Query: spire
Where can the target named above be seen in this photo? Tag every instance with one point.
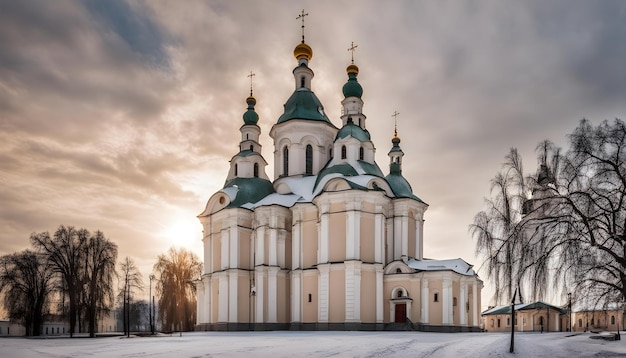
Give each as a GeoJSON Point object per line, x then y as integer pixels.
{"type": "Point", "coordinates": [303, 52]}
{"type": "Point", "coordinates": [250, 116]}
{"type": "Point", "coordinates": [352, 88]}
{"type": "Point", "coordinates": [396, 153]}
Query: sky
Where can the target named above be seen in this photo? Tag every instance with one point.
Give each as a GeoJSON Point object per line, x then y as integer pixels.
{"type": "Point", "coordinates": [122, 116]}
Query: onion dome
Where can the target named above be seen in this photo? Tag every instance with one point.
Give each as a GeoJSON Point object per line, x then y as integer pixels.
{"type": "Point", "coordinates": [250, 117]}
{"type": "Point", "coordinates": [396, 143]}
{"type": "Point", "coordinates": [303, 51]}
{"type": "Point", "coordinates": [352, 88]}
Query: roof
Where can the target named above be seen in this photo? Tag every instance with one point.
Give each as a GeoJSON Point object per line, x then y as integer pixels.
{"type": "Point", "coordinates": [351, 129]}
{"type": "Point", "coordinates": [457, 265]}
{"type": "Point", "coordinates": [304, 104]}
{"type": "Point", "coordinates": [522, 307]}
{"type": "Point", "coordinates": [400, 186]}
{"type": "Point", "coordinates": [247, 190]}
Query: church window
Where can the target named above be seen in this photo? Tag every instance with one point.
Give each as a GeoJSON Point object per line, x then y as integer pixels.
{"type": "Point", "coordinates": [256, 170]}
{"type": "Point", "coordinates": [361, 154]}
{"type": "Point", "coordinates": [508, 321]}
{"type": "Point", "coordinates": [612, 319]}
{"type": "Point", "coordinates": [359, 122]}
{"type": "Point", "coordinates": [343, 152]}
{"type": "Point", "coordinates": [400, 293]}
{"type": "Point", "coordinates": [247, 136]}
{"type": "Point", "coordinates": [251, 147]}
{"type": "Point", "coordinates": [453, 301]}
{"type": "Point", "coordinates": [436, 297]}
{"type": "Point", "coordinates": [398, 270]}
{"type": "Point", "coordinates": [498, 322]}
{"type": "Point", "coordinates": [310, 297]}
{"type": "Point", "coordinates": [285, 161]}
{"type": "Point", "coordinates": [302, 81]}
{"type": "Point", "coordinates": [235, 169]}
{"type": "Point", "coordinates": [309, 160]}
{"type": "Point", "coordinates": [330, 151]}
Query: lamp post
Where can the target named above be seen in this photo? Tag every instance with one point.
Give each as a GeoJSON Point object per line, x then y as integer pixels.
{"type": "Point", "coordinates": [569, 303]}
{"type": "Point", "coordinates": [150, 303]}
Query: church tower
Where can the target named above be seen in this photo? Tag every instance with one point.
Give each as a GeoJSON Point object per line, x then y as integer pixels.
{"type": "Point", "coordinates": [303, 134]}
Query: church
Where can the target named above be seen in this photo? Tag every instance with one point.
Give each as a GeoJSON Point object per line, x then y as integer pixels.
{"type": "Point", "coordinates": [331, 242]}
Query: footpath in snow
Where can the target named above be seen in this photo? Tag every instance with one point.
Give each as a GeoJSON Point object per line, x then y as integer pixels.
{"type": "Point", "coordinates": [319, 344]}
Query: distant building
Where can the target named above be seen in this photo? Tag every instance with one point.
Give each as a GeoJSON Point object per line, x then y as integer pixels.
{"type": "Point", "coordinates": [598, 320]}
{"type": "Point", "coordinates": [331, 242]}
{"type": "Point", "coordinates": [529, 317]}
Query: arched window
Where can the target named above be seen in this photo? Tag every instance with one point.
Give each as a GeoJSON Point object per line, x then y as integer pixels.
{"type": "Point", "coordinates": [612, 319]}
{"type": "Point", "coordinates": [436, 297]}
{"type": "Point", "coordinates": [235, 169]}
{"type": "Point", "coordinates": [285, 161]}
{"type": "Point", "coordinates": [251, 147]}
{"type": "Point", "coordinates": [398, 270]}
{"type": "Point", "coordinates": [343, 152]}
{"type": "Point", "coordinates": [302, 81]}
{"type": "Point", "coordinates": [498, 322]}
{"type": "Point", "coordinates": [256, 170]}
{"type": "Point", "coordinates": [309, 160]}
{"type": "Point", "coordinates": [400, 293]}
{"type": "Point", "coordinates": [361, 153]}
{"type": "Point", "coordinates": [508, 321]}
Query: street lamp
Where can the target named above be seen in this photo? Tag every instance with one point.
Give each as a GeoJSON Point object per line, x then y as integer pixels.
{"type": "Point", "coordinates": [150, 303]}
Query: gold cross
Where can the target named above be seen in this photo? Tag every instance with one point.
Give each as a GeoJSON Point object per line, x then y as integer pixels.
{"type": "Point", "coordinates": [252, 74]}
{"type": "Point", "coordinates": [352, 48]}
{"type": "Point", "coordinates": [395, 120]}
{"type": "Point", "coordinates": [301, 16]}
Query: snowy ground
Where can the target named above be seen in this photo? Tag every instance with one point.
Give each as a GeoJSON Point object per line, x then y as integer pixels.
{"type": "Point", "coordinates": [319, 344]}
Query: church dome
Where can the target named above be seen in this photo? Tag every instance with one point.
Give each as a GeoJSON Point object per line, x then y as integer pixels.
{"type": "Point", "coordinates": [352, 88]}
{"type": "Point", "coordinates": [303, 51]}
{"type": "Point", "coordinates": [250, 117]}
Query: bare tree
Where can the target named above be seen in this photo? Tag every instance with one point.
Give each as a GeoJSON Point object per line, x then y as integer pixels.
{"type": "Point", "coordinates": [26, 280]}
{"type": "Point", "coordinates": [100, 259]}
{"type": "Point", "coordinates": [572, 231]}
{"type": "Point", "coordinates": [131, 280]}
{"type": "Point", "coordinates": [175, 271]}
{"type": "Point", "coordinates": [66, 252]}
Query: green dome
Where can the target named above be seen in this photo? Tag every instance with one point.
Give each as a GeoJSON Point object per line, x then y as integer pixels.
{"type": "Point", "coordinates": [351, 129]}
{"type": "Point", "coordinates": [250, 117]}
{"type": "Point", "coordinates": [303, 104]}
{"type": "Point", "coordinates": [352, 88]}
{"type": "Point", "coordinates": [400, 186]}
{"type": "Point", "coordinates": [249, 190]}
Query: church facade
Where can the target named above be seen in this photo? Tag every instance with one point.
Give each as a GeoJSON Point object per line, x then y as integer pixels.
{"type": "Point", "coordinates": [331, 243]}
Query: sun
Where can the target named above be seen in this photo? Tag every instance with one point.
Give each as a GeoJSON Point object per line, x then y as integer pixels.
{"type": "Point", "coordinates": [184, 232]}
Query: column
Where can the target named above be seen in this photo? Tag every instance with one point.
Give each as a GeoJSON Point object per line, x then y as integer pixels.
{"type": "Point", "coordinates": [446, 311]}
{"type": "Point", "coordinates": [225, 252]}
{"type": "Point", "coordinates": [208, 300]}
{"type": "Point", "coordinates": [322, 289]}
{"type": "Point", "coordinates": [199, 303]}
{"type": "Point", "coordinates": [324, 236]}
{"type": "Point", "coordinates": [463, 303]}
{"type": "Point", "coordinates": [222, 307]}
{"type": "Point", "coordinates": [232, 296]}
{"type": "Point", "coordinates": [296, 239]}
{"type": "Point", "coordinates": [273, 247]}
{"type": "Point", "coordinates": [425, 300]}
{"type": "Point", "coordinates": [296, 296]}
{"type": "Point", "coordinates": [419, 238]}
{"type": "Point", "coordinates": [475, 304]}
{"type": "Point", "coordinates": [271, 294]}
{"type": "Point", "coordinates": [379, 235]}
{"type": "Point", "coordinates": [260, 246]}
{"type": "Point", "coordinates": [405, 236]}
{"type": "Point", "coordinates": [234, 248]}
{"type": "Point", "coordinates": [260, 292]}
{"type": "Point", "coordinates": [353, 291]}
{"type": "Point", "coordinates": [379, 294]}
{"type": "Point", "coordinates": [397, 238]}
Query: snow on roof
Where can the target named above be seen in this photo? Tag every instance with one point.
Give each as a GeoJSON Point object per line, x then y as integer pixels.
{"type": "Point", "coordinates": [457, 265]}
{"type": "Point", "coordinates": [521, 307]}
{"type": "Point", "coordinates": [286, 200]}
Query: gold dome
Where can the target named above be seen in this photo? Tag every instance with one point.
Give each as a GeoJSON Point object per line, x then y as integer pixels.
{"type": "Point", "coordinates": [303, 50]}
{"type": "Point", "coordinates": [353, 69]}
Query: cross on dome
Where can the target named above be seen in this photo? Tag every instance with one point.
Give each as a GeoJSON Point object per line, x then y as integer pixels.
{"type": "Point", "coordinates": [352, 48]}
{"type": "Point", "coordinates": [301, 16]}
{"type": "Point", "coordinates": [252, 74]}
{"type": "Point", "coordinates": [395, 123]}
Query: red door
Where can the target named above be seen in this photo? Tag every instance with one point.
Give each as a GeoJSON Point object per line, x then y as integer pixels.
{"type": "Point", "coordinates": [400, 313]}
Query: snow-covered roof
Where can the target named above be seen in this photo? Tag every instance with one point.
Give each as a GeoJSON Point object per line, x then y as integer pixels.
{"type": "Point", "coordinates": [522, 307]}
{"type": "Point", "coordinates": [457, 265]}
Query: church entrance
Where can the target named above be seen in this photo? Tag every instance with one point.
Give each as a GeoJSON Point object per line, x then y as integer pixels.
{"type": "Point", "coordinates": [400, 313]}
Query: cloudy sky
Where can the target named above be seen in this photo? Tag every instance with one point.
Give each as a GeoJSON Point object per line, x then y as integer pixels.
{"type": "Point", "coordinates": [122, 116]}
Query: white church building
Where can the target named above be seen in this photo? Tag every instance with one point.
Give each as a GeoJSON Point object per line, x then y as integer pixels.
{"type": "Point", "coordinates": [331, 242]}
